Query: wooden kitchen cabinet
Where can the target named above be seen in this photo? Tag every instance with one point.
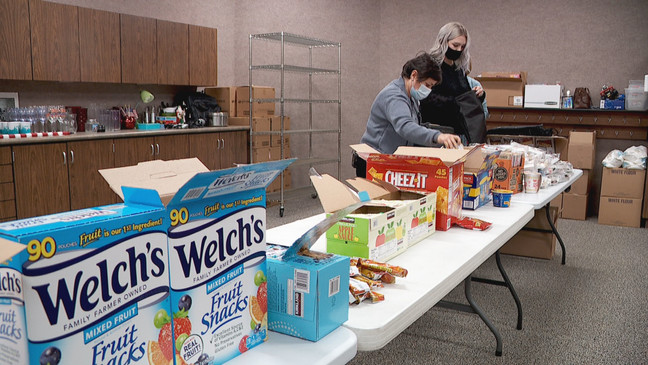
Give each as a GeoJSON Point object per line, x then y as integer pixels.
{"type": "Point", "coordinates": [54, 41]}
{"type": "Point", "coordinates": [138, 49]}
{"type": "Point", "coordinates": [171, 147]}
{"type": "Point", "coordinates": [15, 43]}
{"type": "Point", "coordinates": [87, 187]}
{"type": "Point", "coordinates": [131, 151]}
{"type": "Point", "coordinates": [203, 56]}
{"type": "Point", "coordinates": [220, 150]}
{"type": "Point", "coordinates": [7, 197]}
{"type": "Point", "coordinates": [99, 41]}
{"type": "Point", "coordinates": [41, 179]}
{"type": "Point", "coordinates": [172, 53]}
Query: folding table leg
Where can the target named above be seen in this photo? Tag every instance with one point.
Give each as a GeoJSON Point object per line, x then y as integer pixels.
{"type": "Point", "coordinates": [555, 231]}
{"type": "Point", "coordinates": [475, 307]}
{"type": "Point", "coordinates": [510, 288]}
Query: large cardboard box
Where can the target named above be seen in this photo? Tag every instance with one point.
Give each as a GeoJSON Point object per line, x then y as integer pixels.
{"type": "Point", "coordinates": [225, 97]}
{"type": "Point", "coordinates": [617, 211]}
{"type": "Point", "coordinates": [477, 179]}
{"type": "Point", "coordinates": [307, 298]}
{"type": "Point", "coordinates": [532, 243]}
{"type": "Point", "coordinates": [423, 169]}
{"type": "Point", "coordinates": [645, 204]}
{"type": "Point", "coordinates": [259, 124]}
{"type": "Point", "coordinates": [374, 231]}
{"type": "Point", "coordinates": [622, 183]}
{"type": "Point", "coordinates": [574, 206]}
{"type": "Point", "coordinates": [420, 215]}
{"type": "Point", "coordinates": [504, 89]}
{"type": "Point", "coordinates": [217, 250]}
{"type": "Point", "coordinates": [542, 96]}
{"type": "Point", "coordinates": [582, 185]}
{"type": "Point", "coordinates": [582, 149]}
{"type": "Point", "coordinates": [275, 126]}
{"type": "Point", "coordinates": [89, 285]}
{"type": "Point", "coordinates": [259, 108]}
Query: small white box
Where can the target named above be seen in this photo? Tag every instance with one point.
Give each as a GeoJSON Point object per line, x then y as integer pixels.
{"type": "Point", "coordinates": [542, 96]}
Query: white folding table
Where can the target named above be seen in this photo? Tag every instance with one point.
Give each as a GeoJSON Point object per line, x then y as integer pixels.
{"type": "Point", "coordinates": [542, 199]}
{"type": "Point", "coordinates": [338, 347]}
{"type": "Point", "coordinates": [436, 265]}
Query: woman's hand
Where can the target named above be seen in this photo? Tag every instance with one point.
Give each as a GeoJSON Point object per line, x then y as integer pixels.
{"type": "Point", "coordinates": [479, 91]}
{"type": "Point", "coordinates": [449, 140]}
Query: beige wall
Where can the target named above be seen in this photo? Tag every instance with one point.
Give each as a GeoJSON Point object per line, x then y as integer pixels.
{"type": "Point", "coordinates": [580, 43]}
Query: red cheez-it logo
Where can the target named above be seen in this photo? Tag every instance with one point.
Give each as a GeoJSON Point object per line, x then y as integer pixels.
{"type": "Point", "coordinates": [414, 180]}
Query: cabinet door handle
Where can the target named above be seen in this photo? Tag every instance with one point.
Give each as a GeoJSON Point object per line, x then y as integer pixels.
{"type": "Point", "coordinates": [218, 144]}
{"type": "Point", "coordinates": [152, 150]}
{"type": "Point", "coordinates": [64, 159]}
{"type": "Point", "coordinates": [71, 157]}
{"type": "Point", "coordinates": [157, 146]}
{"type": "Point", "coordinates": [223, 145]}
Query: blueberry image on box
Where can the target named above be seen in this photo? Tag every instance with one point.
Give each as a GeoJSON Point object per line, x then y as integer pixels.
{"type": "Point", "coordinates": [51, 356]}
{"type": "Point", "coordinates": [184, 303]}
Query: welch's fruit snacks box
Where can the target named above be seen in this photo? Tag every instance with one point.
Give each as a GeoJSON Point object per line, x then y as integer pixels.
{"type": "Point", "coordinates": [13, 329]}
{"type": "Point", "coordinates": [217, 254]}
{"type": "Point", "coordinates": [92, 281]}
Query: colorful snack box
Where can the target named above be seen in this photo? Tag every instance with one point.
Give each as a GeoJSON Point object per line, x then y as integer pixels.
{"type": "Point", "coordinates": [13, 341]}
{"type": "Point", "coordinates": [308, 297]}
{"type": "Point", "coordinates": [508, 172]}
{"type": "Point", "coordinates": [92, 281]}
{"type": "Point", "coordinates": [216, 242]}
{"type": "Point", "coordinates": [477, 179]}
{"type": "Point", "coordinates": [424, 169]}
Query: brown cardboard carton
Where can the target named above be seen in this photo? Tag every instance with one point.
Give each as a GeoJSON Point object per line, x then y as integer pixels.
{"type": "Point", "coordinates": [276, 184]}
{"type": "Point", "coordinates": [557, 203]}
{"type": "Point", "coordinates": [582, 149]}
{"type": "Point", "coordinates": [582, 185]}
{"type": "Point", "coordinates": [261, 154]}
{"type": "Point", "coordinates": [259, 124]}
{"type": "Point", "coordinates": [260, 141]}
{"type": "Point", "coordinates": [275, 153]}
{"type": "Point", "coordinates": [622, 183]}
{"type": "Point", "coordinates": [574, 206]}
{"type": "Point", "coordinates": [533, 243]}
{"type": "Point", "coordinates": [504, 89]}
{"type": "Point", "coordinates": [616, 211]}
{"type": "Point", "coordinates": [225, 97]}
{"type": "Point", "coordinates": [645, 205]}
{"type": "Point", "coordinates": [259, 109]}
{"type": "Point", "coordinates": [275, 122]}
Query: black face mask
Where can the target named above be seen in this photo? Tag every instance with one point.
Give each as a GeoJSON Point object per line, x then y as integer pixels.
{"type": "Point", "coordinates": [452, 54]}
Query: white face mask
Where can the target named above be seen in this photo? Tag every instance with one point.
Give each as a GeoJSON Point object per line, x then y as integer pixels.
{"type": "Point", "coordinates": [420, 94]}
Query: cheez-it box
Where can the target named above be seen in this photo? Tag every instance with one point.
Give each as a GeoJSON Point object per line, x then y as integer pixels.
{"type": "Point", "coordinates": [423, 169]}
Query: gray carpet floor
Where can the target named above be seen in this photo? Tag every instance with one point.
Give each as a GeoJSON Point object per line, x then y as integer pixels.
{"type": "Point", "coordinates": [593, 310]}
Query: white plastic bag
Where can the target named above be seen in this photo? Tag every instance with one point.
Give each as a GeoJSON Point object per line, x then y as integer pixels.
{"type": "Point", "coordinates": [613, 159]}
{"type": "Point", "coordinates": [635, 157]}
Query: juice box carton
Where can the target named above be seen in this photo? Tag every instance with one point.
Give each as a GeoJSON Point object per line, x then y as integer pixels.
{"type": "Point", "coordinates": [307, 297]}
{"type": "Point", "coordinates": [217, 252]}
{"type": "Point", "coordinates": [13, 337]}
{"type": "Point", "coordinates": [477, 178]}
{"type": "Point", "coordinates": [375, 231]}
{"type": "Point", "coordinates": [420, 208]}
{"type": "Point", "coordinates": [93, 282]}
{"type": "Point", "coordinates": [423, 169]}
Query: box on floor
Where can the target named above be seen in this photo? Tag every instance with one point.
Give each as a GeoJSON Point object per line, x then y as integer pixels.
{"type": "Point", "coordinates": [621, 197]}
{"type": "Point", "coordinates": [574, 206]}
{"type": "Point", "coordinates": [532, 243]}
{"type": "Point", "coordinates": [216, 250]}
{"type": "Point", "coordinates": [582, 149]}
{"type": "Point", "coordinates": [504, 89]}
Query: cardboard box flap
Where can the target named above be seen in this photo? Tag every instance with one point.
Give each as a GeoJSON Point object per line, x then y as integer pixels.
{"type": "Point", "coordinates": [233, 180]}
{"type": "Point", "coordinates": [449, 156]}
{"type": "Point", "coordinates": [333, 194]}
{"type": "Point", "coordinates": [584, 138]}
{"type": "Point", "coordinates": [165, 177]}
{"type": "Point", "coordinates": [375, 188]}
{"type": "Point", "coordinates": [9, 249]}
{"type": "Point", "coordinates": [141, 196]}
{"type": "Point", "coordinates": [363, 148]}
{"type": "Point", "coordinates": [480, 161]}
{"type": "Point", "coordinates": [506, 76]}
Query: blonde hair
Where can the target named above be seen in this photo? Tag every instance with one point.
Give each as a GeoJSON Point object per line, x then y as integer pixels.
{"type": "Point", "coordinates": [447, 32]}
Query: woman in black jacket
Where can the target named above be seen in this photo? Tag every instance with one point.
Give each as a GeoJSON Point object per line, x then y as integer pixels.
{"type": "Point", "coordinates": [451, 49]}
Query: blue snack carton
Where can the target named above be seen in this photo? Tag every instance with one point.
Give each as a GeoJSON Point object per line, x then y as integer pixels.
{"type": "Point", "coordinates": [477, 178]}
{"type": "Point", "coordinates": [217, 253]}
{"type": "Point", "coordinates": [92, 281]}
{"type": "Point", "coordinates": [307, 297]}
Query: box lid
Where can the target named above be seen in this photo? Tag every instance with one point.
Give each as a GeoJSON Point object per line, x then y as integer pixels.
{"type": "Point", "coordinates": [333, 194]}
{"type": "Point", "coordinates": [176, 181]}
{"type": "Point", "coordinates": [448, 156]}
{"type": "Point", "coordinates": [9, 249]}
{"type": "Point", "coordinates": [376, 189]}
{"type": "Point", "coordinates": [480, 161]}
